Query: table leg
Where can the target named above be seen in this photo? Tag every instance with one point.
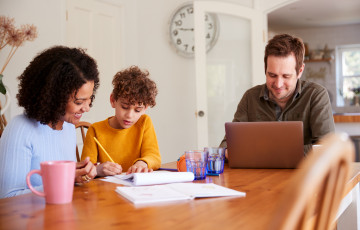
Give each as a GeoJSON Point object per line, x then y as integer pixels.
{"type": "Point", "coordinates": [349, 212]}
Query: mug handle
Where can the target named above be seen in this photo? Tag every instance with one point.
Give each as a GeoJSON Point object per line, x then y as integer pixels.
{"type": "Point", "coordinates": [29, 183]}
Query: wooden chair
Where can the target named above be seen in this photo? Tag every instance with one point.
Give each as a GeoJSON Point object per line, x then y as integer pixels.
{"type": "Point", "coordinates": [82, 125]}
{"type": "Point", "coordinates": [313, 196]}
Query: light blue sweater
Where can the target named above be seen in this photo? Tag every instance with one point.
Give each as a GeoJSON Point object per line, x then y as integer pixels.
{"type": "Point", "coordinates": [24, 144]}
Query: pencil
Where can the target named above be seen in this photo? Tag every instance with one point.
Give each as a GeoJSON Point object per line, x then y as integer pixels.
{"type": "Point", "coordinates": [96, 140]}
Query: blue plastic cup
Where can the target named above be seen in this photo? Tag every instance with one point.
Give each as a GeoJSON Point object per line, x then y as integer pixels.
{"type": "Point", "coordinates": [216, 159]}
{"type": "Point", "coordinates": [196, 163]}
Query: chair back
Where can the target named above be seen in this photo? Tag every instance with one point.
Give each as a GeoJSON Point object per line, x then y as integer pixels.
{"type": "Point", "coordinates": [82, 125]}
{"type": "Point", "coordinates": [312, 198]}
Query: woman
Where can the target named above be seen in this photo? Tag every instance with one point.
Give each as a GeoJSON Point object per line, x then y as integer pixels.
{"type": "Point", "coordinates": [55, 90]}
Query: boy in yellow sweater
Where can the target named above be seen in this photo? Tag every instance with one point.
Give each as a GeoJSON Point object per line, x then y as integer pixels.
{"type": "Point", "coordinates": [129, 136]}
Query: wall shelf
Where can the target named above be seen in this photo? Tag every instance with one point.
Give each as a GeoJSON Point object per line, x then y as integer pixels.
{"type": "Point", "coordinates": [318, 60]}
{"type": "Point", "coordinates": [351, 117]}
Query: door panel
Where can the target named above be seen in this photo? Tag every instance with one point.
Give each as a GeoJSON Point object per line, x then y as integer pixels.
{"type": "Point", "coordinates": [228, 70]}
{"type": "Point", "coordinates": [228, 74]}
{"type": "Point", "coordinates": [97, 27]}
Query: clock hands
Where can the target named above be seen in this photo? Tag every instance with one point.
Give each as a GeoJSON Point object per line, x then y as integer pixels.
{"type": "Point", "coordinates": [186, 29]}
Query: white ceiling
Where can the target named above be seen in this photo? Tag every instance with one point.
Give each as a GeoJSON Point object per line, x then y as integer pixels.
{"type": "Point", "coordinates": [315, 13]}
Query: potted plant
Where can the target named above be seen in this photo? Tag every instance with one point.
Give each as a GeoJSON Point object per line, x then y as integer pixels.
{"type": "Point", "coordinates": [356, 98]}
{"type": "Point", "coordinates": [14, 38]}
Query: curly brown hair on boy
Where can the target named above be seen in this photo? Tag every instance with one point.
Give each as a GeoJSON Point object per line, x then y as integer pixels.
{"type": "Point", "coordinates": [50, 80]}
{"type": "Point", "coordinates": [134, 85]}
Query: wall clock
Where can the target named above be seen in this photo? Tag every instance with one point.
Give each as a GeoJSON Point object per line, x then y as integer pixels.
{"type": "Point", "coordinates": [181, 30]}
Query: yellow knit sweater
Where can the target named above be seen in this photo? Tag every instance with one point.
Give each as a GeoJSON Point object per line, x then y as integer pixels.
{"type": "Point", "coordinates": [125, 146]}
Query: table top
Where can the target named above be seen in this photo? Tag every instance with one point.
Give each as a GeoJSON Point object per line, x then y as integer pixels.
{"type": "Point", "coordinates": [96, 205]}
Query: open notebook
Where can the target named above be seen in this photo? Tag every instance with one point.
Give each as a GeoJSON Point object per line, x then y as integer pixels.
{"type": "Point", "coordinates": [174, 192]}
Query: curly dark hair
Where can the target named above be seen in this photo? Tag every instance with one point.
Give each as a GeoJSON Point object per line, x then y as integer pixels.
{"type": "Point", "coordinates": [283, 45]}
{"type": "Point", "coordinates": [51, 78]}
{"type": "Point", "coordinates": [135, 86]}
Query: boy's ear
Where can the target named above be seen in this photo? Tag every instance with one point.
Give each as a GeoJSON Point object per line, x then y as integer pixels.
{"type": "Point", "coordinates": [112, 100]}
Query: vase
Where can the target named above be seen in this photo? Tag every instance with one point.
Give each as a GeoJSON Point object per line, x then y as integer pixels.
{"type": "Point", "coordinates": [357, 100]}
{"type": "Point", "coordinates": [3, 109]}
{"type": "Point", "coordinates": [5, 106]}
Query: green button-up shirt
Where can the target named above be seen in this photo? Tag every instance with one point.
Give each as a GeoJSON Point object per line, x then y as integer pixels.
{"type": "Point", "coordinates": [310, 104]}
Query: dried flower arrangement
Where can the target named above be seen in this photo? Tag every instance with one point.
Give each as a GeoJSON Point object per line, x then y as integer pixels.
{"type": "Point", "coordinates": [14, 37]}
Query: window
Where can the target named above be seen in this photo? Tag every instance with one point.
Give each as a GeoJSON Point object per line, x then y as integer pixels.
{"type": "Point", "coordinates": [348, 76]}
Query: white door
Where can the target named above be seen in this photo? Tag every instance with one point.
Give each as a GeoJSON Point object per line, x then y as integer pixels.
{"type": "Point", "coordinates": [97, 26]}
{"type": "Point", "coordinates": [231, 67]}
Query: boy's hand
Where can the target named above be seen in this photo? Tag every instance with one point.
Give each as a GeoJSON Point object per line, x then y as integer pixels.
{"type": "Point", "coordinates": [108, 169]}
{"type": "Point", "coordinates": [85, 171]}
{"type": "Point", "coordinates": [138, 167]}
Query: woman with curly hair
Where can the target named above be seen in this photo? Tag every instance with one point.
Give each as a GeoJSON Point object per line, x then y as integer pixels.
{"type": "Point", "coordinates": [129, 136]}
{"type": "Point", "coordinates": [55, 90]}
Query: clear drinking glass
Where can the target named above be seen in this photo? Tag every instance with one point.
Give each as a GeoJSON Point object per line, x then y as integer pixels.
{"type": "Point", "coordinates": [196, 163]}
{"type": "Point", "coordinates": [216, 159]}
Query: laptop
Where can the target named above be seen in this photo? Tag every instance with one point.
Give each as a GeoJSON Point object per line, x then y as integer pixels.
{"type": "Point", "coordinates": [269, 144]}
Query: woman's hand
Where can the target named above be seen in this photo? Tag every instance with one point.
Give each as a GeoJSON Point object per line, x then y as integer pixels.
{"type": "Point", "coordinates": [108, 169]}
{"type": "Point", "coordinates": [85, 171]}
{"type": "Point", "coordinates": [138, 167]}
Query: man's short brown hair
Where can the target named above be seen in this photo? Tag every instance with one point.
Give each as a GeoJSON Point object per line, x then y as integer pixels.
{"type": "Point", "coordinates": [283, 45]}
{"type": "Point", "coordinates": [134, 85]}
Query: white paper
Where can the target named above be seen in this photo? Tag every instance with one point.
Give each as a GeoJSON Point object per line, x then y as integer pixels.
{"type": "Point", "coordinates": [151, 194]}
{"type": "Point", "coordinates": [139, 179]}
{"type": "Point", "coordinates": [198, 190]}
{"type": "Point", "coordinates": [174, 192]}
{"type": "Point", "coordinates": [115, 180]}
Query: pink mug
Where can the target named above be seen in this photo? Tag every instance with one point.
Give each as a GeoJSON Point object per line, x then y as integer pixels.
{"type": "Point", "coordinates": [58, 181]}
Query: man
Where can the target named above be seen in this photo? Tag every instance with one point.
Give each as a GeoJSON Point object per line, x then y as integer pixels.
{"type": "Point", "coordinates": [285, 97]}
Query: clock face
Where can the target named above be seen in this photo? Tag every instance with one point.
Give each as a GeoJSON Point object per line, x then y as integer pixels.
{"type": "Point", "coordinates": [182, 30]}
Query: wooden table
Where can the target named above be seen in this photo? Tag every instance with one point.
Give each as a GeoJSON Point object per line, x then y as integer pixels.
{"type": "Point", "coordinates": [96, 205]}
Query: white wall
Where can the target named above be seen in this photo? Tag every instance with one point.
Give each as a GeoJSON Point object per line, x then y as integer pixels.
{"type": "Point", "coordinates": [147, 45]}
{"type": "Point", "coordinates": [330, 35]}
{"type": "Point", "coordinates": [173, 116]}
{"type": "Point", "coordinates": [49, 18]}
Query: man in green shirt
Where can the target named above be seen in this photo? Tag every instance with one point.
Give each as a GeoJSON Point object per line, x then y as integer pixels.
{"type": "Point", "coordinates": [284, 97]}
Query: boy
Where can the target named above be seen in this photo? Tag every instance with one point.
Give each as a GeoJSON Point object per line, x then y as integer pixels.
{"type": "Point", "coordinates": [128, 137]}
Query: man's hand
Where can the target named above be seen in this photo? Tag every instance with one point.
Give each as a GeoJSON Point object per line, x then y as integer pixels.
{"type": "Point", "coordinates": [138, 167]}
